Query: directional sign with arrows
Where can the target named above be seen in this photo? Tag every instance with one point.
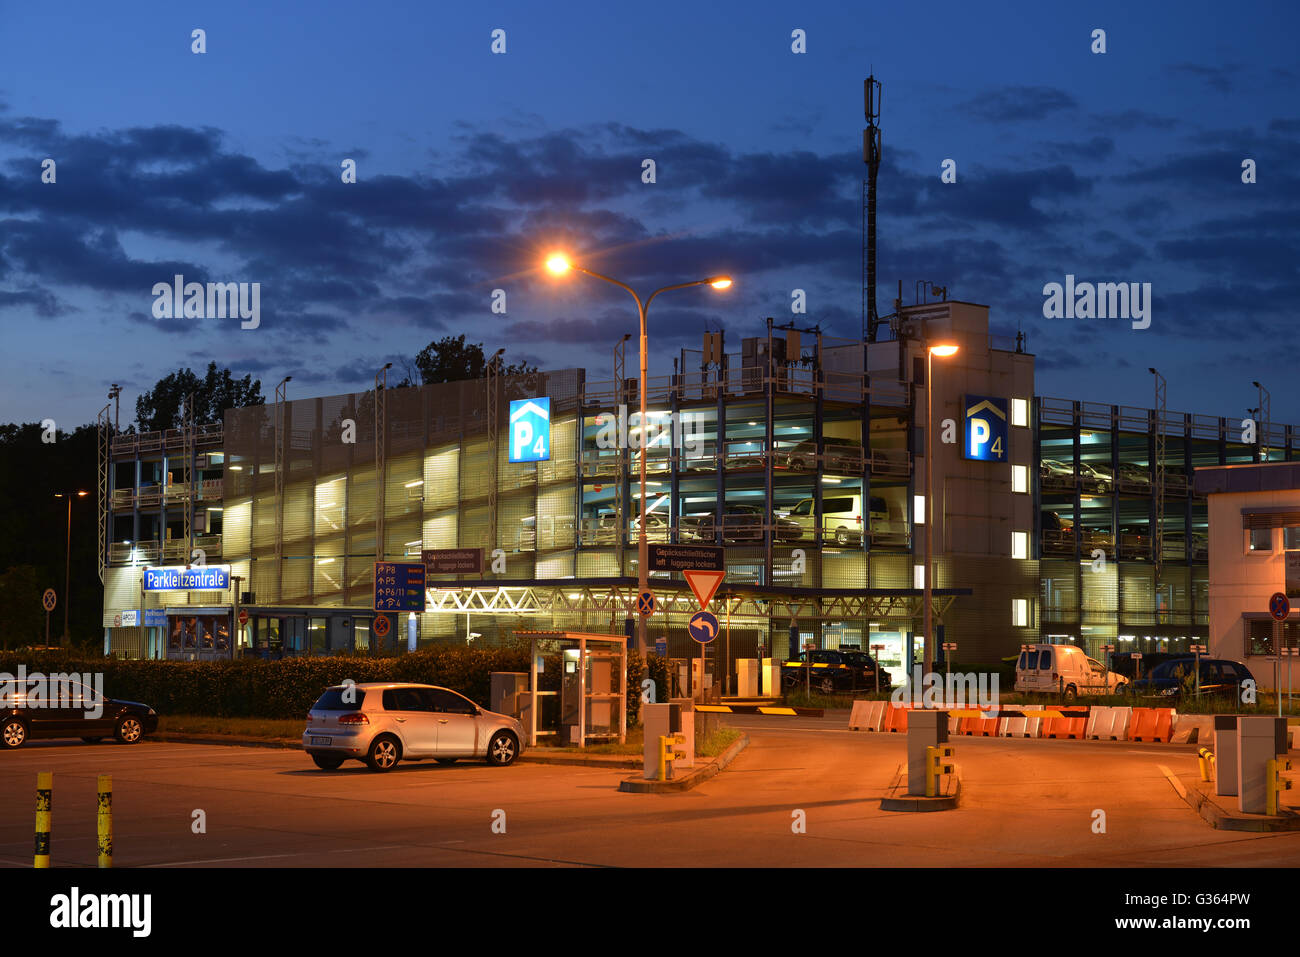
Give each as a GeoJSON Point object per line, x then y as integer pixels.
{"type": "Point", "coordinates": [703, 626]}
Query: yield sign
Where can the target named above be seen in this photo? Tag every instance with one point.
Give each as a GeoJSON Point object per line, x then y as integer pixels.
{"type": "Point", "coordinates": [704, 584]}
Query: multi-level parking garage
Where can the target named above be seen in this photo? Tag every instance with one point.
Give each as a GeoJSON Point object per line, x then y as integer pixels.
{"type": "Point", "coordinates": [802, 455]}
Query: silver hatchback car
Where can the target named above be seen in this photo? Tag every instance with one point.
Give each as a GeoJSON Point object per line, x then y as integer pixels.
{"type": "Point", "coordinates": [382, 723]}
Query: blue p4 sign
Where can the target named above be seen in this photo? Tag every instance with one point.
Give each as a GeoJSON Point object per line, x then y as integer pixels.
{"type": "Point", "coordinates": [530, 430]}
{"type": "Point", "coordinates": [984, 436]}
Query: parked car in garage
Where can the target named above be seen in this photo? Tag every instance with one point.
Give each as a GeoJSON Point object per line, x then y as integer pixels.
{"type": "Point", "coordinates": [842, 518]}
{"type": "Point", "coordinates": [842, 456]}
{"type": "Point", "coordinates": [382, 723]}
{"type": "Point", "coordinates": [746, 523]}
{"type": "Point", "coordinates": [28, 712]}
{"type": "Point", "coordinates": [1220, 677]}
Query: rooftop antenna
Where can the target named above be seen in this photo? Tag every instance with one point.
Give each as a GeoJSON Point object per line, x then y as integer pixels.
{"type": "Point", "coordinates": [870, 156]}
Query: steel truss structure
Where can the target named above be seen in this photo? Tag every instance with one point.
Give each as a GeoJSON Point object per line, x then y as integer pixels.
{"type": "Point", "coordinates": [676, 598]}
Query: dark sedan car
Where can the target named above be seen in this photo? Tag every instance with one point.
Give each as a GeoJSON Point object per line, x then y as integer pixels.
{"type": "Point", "coordinates": [1219, 677]}
{"type": "Point", "coordinates": [69, 710]}
{"type": "Point", "coordinates": [834, 671]}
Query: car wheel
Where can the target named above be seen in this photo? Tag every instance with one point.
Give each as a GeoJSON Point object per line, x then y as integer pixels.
{"type": "Point", "coordinates": [841, 536]}
{"type": "Point", "coordinates": [129, 730]}
{"type": "Point", "coordinates": [92, 740]}
{"type": "Point", "coordinates": [1070, 694]}
{"type": "Point", "coordinates": [327, 762]}
{"type": "Point", "coordinates": [502, 749]}
{"type": "Point", "coordinates": [13, 733]}
{"type": "Point", "coordinates": [1121, 688]}
{"type": "Point", "coordinates": [385, 751]}
{"type": "Point", "coordinates": [445, 760]}
{"type": "Point", "coordinates": [828, 686]}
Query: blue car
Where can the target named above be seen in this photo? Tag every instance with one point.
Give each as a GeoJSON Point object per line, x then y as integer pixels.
{"type": "Point", "coordinates": [1219, 677]}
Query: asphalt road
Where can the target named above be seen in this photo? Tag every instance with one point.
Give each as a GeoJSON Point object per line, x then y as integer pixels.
{"type": "Point", "coordinates": [1025, 803]}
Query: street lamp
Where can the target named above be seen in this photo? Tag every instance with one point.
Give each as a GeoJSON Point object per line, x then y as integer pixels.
{"type": "Point", "coordinates": [559, 264]}
{"type": "Point", "coordinates": [67, 570]}
{"type": "Point", "coordinates": [943, 350]}
{"type": "Point", "coordinates": [1261, 428]}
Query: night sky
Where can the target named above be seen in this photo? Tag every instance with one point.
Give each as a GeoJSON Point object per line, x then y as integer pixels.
{"type": "Point", "coordinates": [225, 166]}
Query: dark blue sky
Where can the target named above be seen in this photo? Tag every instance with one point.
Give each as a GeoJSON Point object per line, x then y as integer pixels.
{"type": "Point", "coordinates": [225, 167]}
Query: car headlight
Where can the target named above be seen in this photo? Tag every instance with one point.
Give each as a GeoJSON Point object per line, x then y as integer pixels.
{"type": "Point", "coordinates": [152, 713]}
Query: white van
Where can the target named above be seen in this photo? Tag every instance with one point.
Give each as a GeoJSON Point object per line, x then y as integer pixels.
{"type": "Point", "coordinates": [1047, 669]}
{"type": "Point", "coordinates": [841, 516]}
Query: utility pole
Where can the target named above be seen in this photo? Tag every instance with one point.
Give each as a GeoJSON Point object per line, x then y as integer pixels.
{"type": "Point", "coordinates": [381, 429]}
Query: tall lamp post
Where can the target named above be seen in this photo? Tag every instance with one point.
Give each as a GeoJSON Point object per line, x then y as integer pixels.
{"type": "Point", "coordinates": [1261, 428]}
{"type": "Point", "coordinates": [559, 264]}
{"type": "Point", "coordinates": [943, 351]}
{"type": "Point", "coordinates": [67, 570]}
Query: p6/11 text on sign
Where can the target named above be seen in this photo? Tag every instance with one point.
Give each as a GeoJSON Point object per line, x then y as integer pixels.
{"type": "Point", "coordinates": [399, 586]}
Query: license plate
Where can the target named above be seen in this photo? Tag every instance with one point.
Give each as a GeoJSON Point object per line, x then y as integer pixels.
{"type": "Point", "coordinates": [324, 742]}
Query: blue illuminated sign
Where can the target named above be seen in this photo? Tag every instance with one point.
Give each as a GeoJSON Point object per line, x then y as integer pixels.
{"type": "Point", "coordinates": [530, 430]}
{"type": "Point", "coordinates": [399, 586]}
{"type": "Point", "coordinates": [984, 436]}
{"type": "Point", "coordinates": [180, 578]}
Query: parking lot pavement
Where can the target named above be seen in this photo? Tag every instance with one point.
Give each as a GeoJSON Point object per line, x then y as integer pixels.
{"type": "Point", "coordinates": [1025, 803]}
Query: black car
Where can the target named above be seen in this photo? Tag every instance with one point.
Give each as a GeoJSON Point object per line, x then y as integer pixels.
{"type": "Point", "coordinates": [44, 709]}
{"type": "Point", "coordinates": [867, 666]}
{"type": "Point", "coordinates": [833, 671]}
{"type": "Point", "coordinates": [1219, 677]}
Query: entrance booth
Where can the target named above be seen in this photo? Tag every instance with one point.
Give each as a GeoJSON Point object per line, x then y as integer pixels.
{"type": "Point", "coordinates": [591, 692]}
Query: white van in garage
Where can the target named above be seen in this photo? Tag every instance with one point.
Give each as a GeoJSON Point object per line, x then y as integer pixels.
{"type": "Point", "coordinates": [1048, 669]}
{"type": "Point", "coordinates": [841, 516]}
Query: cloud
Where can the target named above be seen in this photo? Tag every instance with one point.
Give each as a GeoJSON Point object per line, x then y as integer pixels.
{"type": "Point", "coordinates": [1221, 78]}
{"type": "Point", "coordinates": [1011, 104]}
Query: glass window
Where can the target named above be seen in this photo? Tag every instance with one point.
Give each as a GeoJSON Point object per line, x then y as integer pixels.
{"type": "Point", "coordinates": [1020, 478]}
{"type": "Point", "coordinates": [1291, 538]}
{"type": "Point", "coordinates": [1019, 544]}
{"type": "Point", "coordinates": [1019, 411]}
{"type": "Point", "coordinates": [448, 702]}
{"type": "Point", "coordinates": [1261, 539]}
{"type": "Point", "coordinates": [405, 699]}
{"type": "Point", "coordinates": [332, 700]}
{"type": "Point", "coordinates": [1019, 612]}
{"type": "Point", "coordinates": [1045, 659]}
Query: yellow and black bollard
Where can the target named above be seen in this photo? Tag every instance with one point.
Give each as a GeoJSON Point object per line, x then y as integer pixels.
{"type": "Point", "coordinates": [1274, 782]}
{"type": "Point", "coordinates": [105, 820]}
{"type": "Point", "coordinates": [938, 760]}
{"type": "Point", "coordinates": [44, 802]}
{"type": "Point", "coordinates": [1206, 760]}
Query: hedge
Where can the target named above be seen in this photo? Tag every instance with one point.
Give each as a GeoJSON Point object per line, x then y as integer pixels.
{"type": "Point", "coordinates": [253, 688]}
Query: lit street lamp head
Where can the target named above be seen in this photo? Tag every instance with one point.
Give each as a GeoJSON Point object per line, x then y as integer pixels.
{"type": "Point", "coordinates": [944, 350]}
{"type": "Point", "coordinates": [721, 282]}
{"type": "Point", "coordinates": [558, 263]}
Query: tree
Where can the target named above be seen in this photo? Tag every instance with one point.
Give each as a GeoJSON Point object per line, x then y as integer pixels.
{"type": "Point", "coordinates": [163, 406]}
{"type": "Point", "coordinates": [452, 359]}
{"type": "Point", "coordinates": [22, 620]}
